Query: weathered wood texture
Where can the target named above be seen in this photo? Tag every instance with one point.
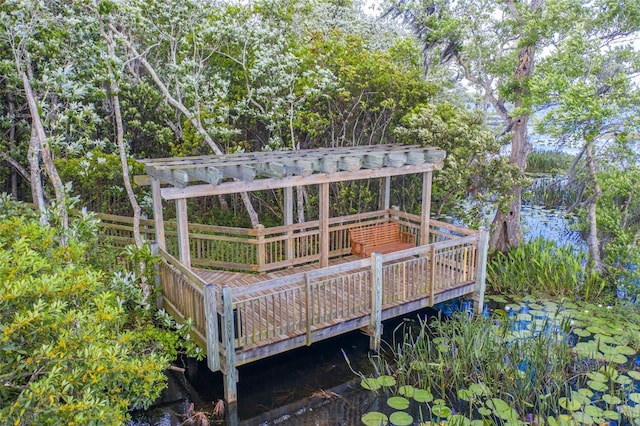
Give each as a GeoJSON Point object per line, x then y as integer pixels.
{"type": "Point", "coordinates": [382, 238]}
{"type": "Point", "coordinates": [292, 310]}
{"type": "Point", "coordinates": [265, 249]}
{"type": "Point", "coordinates": [209, 175]}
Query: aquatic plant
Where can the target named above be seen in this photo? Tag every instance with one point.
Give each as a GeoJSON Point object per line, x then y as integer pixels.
{"type": "Point", "coordinates": [535, 361]}
{"type": "Point", "coordinates": [542, 266]}
{"type": "Point", "coordinates": [549, 162]}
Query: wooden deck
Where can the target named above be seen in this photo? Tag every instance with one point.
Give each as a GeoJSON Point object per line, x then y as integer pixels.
{"type": "Point", "coordinates": [247, 317]}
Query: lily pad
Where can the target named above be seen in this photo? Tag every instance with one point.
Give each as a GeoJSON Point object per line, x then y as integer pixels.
{"type": "Point", "coordinates": [597, 386]}
{"type": "Point", "coordinates": [593, 410]}
{"type": "Point", "coordinates": [569, 404]}
{"type": "Point", "coordinates": [386, 381]}
{"type": "Point", "coordinates": [617, 358]}
{"type": "Point", "coordinates": [597, 376]}
{"type": "Point", "coordinates": [407, 390]}
{"type": "Point", "coordinates": [502, 409]}
{"type": "Point", "coordinates": [484, 411]}
{"type": "Point", "coordinates": [623, 380]}
{"type": "Point", "coordinates": [612, 415]}
{"type": "Point", "coordinates": [370, 383]}
{"type": "Point", "coordinates": [465, 394]}
{"type": "Point", "coordinates": [626, 350]}
{"type": "Point", "coordinates": [421, 395]}
{"type": "Point", "coordinates": [611, 399]}
{"type": "Point", "coordinates": [635, 397]}
{"type": "Point", "coordinates": [398, 402]}
{"type": "Point", "coordinates": [400, 418]}
{"type": "Point", "coordinates": [582, 417]}
{"type": "Point", "coordinates": [581, 332]}
{"type": "Point", "coordinates": [374, 418]}
{"type": "Point", "coordinates": [441, 411]}
{"type": "Point", "coordinates": [586, 393]}
{"type": "Point", "coordinates": [479, 389]}
{"type": "Point", "coordinates": [635, 375]}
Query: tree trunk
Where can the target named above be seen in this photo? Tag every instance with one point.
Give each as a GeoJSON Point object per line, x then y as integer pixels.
{"type": "Point", "coordinates": [12, 148]}
{"type": "Point", "coordinates": [506, 230]}
{"type": "Point", "coordinates": [37, 191]}
{"type": "Point", "coordinates": [593, 242]}
{"type": "Point", "coordinates": [39, 137]}
{"type": "Point", "coordinates": [115, 98]}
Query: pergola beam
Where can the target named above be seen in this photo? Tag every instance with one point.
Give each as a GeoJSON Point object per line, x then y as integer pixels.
{"type": "Point", "coordinates": [290, 181]}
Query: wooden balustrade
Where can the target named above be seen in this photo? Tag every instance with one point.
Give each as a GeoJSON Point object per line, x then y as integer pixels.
{"type": "Point", "coordinates": [183, 295]}
{"type": "Point", "coordinates": [282, 308]}
{"type": "Point", "coordinates": [265, 249]}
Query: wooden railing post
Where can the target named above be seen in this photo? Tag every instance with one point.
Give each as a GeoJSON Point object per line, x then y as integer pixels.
{"type": "Point", "coordinates": [211, 314]}
{"type": "Point", "coordinates": [155, 250]}
{"type": "Point", "coordinates": [262, 250]}
{"type": "Point", "coordinates": [308, 306]}
{"type": "Point", "coordinates": [228, 337]}
{"type": "Point", "coordinates": [481, 275]}
{"type": "Point", "coordinates": [432, 275]}
{"type": "Point", "coordinates": [376, 301]}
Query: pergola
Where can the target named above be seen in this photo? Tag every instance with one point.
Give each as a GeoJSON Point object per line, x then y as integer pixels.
{"type": "Point", "coordinates": [181, 178]}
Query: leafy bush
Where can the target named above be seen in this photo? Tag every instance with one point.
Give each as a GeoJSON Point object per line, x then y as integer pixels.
{"type": "Point", "coordinates": [73, 350]}
{"type": "Point", "coordinates": [97, 179]}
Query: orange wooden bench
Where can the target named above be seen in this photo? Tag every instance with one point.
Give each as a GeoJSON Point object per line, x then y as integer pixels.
{"type": "Point", "coordinates": [381, 238]}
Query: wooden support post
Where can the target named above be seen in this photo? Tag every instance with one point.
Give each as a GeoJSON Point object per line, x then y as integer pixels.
{"type": "Point", "coordinates": [158, 217]}
{"type": "Point", "coordinates": [158, 279]}
{"type": "Point", "coordinates": [481, 275]}
{"type": "Point", "coordinates": [432, 275]}
{"type": "Point", "coordinates": [261, 249]}
{"type": "Point", "coordinates": [324, 224]}
{"type": "Point", "coordinates": [183, 232]}
{"type": "Point", "coordinates": [228, 337]}
{"type": "Point", "coordinates": [426, 208]}
{"type": "Point", "coordinates": [211, 314]}
{"type": "Point", "coordinates": [385, 193]}
{"type": "Point", "coordinates": [288, 221]}
{"type": "Point", "coordinates": [376, 301]}
{"type": "Point", "coordinates": [309, 306]}
{"type": "Point", "coordinates": [395, 217]}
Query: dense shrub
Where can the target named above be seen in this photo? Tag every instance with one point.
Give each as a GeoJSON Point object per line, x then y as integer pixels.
{"type": "Point", "coordinates": [77, 346]}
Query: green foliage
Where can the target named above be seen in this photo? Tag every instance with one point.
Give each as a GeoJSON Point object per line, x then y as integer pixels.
{"type": "Point", "coordinates": [97, 180]}
{"type": "Point", "coordinates": [465, 360]}
{"type": "Point", "coordinates": [541, 266]}
{"type": "Point", "coordinates": [76, 346]}
{"type": "Point", "coordinates": [472, 165]}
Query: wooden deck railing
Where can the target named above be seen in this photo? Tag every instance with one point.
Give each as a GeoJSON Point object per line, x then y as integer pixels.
{"type": "Point", "coordinates": [302, 304]}
{"type": "Point", "coordinates": [183, 294]}
{"type": "Point", "coordinates": [268, 249]}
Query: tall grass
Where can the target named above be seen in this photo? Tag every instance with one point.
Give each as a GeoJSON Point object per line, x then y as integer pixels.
{"type": "Point", "coordinates": [542, 266]}
{"type": "Point", "coordinates": [548, 162]}
{"type": "Point", "coordinates": [448, 357]}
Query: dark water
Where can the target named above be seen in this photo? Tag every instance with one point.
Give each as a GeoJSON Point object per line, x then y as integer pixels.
{"type": "Point", "coordinates": [309, 386]}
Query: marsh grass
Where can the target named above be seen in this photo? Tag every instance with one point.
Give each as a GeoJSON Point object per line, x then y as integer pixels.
{"type": "Point", "coordinates": [543, 266]}
{"type": "Point", "coordinates": [449, 356]}
{"type": "Point", "coordinates": [548, 162]}
{"type": "Point", "coordinates": [536, 361]}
